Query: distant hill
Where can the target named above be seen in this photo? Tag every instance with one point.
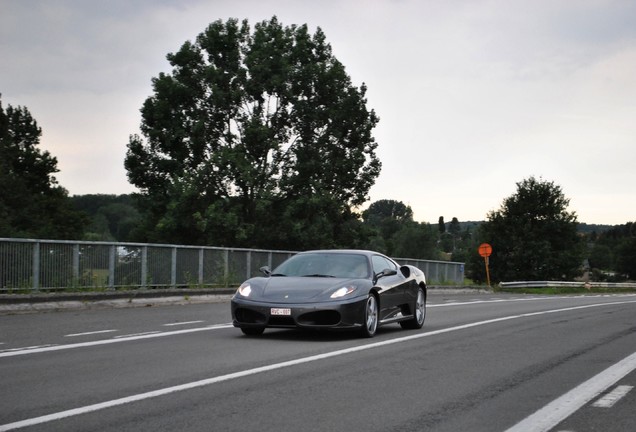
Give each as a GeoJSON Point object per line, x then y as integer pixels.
{"type": "Point", "coordinates": [471, 225]}
{"type": "Point", "coordinates": [582, 227]}
{"type": "Point", "coordinates": [590, 228]}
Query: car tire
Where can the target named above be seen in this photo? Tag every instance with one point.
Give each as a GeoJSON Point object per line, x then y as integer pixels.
{"type": "Point", "coordinates": [419, 312]}
{"type": "Point", "coordinates": [252, 331]}
{"type": "Point", "coordinates": [370, 323]}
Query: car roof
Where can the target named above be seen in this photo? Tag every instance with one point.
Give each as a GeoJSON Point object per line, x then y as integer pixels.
{"type": "Point", "coordinates": [344, 251]}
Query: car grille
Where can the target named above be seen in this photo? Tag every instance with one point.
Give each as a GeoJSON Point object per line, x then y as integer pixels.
{"type": "Point", "coordinates": [281, 321]}
{"type": "Point", "coordinates": [320, 318]}
{"type": "Point", "coordinates": [249, 316]}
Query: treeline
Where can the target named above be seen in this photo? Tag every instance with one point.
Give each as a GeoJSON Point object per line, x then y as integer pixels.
{"type": "Point", "coordinates": [607, 252]}
{"type": "Point", "coordinates": [385, 226]}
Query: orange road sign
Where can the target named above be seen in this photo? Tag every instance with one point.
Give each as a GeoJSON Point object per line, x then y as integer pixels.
{"type": "Point", "coordinates": [485, 250]}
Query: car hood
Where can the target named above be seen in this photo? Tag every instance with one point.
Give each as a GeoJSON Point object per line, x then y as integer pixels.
{"type": "Point", "coordinates": [286, 289]}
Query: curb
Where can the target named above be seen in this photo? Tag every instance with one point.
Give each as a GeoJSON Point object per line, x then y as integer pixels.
{"type": "Point", "coordinates": [42, 302]}
{"type": "Point", "coordinates": [42, 297]}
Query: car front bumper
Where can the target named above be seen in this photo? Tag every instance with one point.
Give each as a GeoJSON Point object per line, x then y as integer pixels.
{"type": "Point", "coordinates": [349, 313]}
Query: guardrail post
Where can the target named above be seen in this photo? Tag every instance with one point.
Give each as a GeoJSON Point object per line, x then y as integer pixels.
{"type": "Point", "coordinates": [36, 266]}
{"type": "Point", "coordinates": [201, 266]}
{"type": "Point", "coordinates": [144, 266]}
{"type": "Point", "coordinates": [76, 260]}
{"type": "Point", "coordinates": [111, 267]}
{"type": "Point", "coordinates": [173, 268]}
{"type": "Point", "coordinates": [226, 266]}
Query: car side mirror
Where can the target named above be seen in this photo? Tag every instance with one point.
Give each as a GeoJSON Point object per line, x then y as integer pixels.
{"type": "Point", "coordinates": [265, 270]}
{"type": "Point", "coordinates": [384, 273]}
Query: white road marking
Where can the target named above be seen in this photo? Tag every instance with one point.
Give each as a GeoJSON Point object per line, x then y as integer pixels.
{"type": "Point", "coordinates": [183, 323]}
{"type": "Point", "coordinates": [267, 368]}
{"type": "Point", "coordinates": [524, 299]}
{"type": "Point", "coordinates": [16, 351]}
{"type": "Point", "coordinates": [136, 335]}
{"type": "Point", "coordinates": [89, 333]}
{"type": "Point", "coordinates": [561, 408]}
{"type": "Point", "coordinates": [612, 397]}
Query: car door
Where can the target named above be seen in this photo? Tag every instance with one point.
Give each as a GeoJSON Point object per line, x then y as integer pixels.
{"type": "Point", "coordinates": [391, 288]}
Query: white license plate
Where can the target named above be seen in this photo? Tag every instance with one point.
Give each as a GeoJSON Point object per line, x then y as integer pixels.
{"type": "Point", "coordinates": [281, 311]}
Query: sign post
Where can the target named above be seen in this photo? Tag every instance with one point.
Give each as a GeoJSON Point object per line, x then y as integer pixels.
{"type": "Point", "coordinates": [485, 250]}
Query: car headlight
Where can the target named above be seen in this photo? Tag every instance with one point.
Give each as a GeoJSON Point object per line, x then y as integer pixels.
{"type": "Point", "coordinates": [245, 290]}
{"type": "Point", "coordinates": [341, 292]}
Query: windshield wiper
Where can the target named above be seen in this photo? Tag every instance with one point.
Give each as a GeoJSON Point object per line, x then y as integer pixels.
{"type": "Point", "coordinates": [319, 275]}
{"type": "Point", "coordinates": [278, 274]}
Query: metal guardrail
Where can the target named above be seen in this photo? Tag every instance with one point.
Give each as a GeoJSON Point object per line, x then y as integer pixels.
{"type": "Point", "coordinates": [33, 265]}
{"type": "Point", "coordinates": [438, 272]}
{"type": "Point", "coordinates": [545, 284]}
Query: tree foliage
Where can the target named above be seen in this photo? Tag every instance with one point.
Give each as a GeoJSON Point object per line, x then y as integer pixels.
{"type": "Point", "coordinates": [32, 204]}
{"type": "Point", "coordinates": [112, 217]}
{"type": "Point", "coordinates": [392, 230]}
{"type": "Point", "coordinates": [454, 228]}
{"type": "Point", "coordinates": [251, 129]}
{"type": "Point", "coordinates": [533, 236]}
{"type": "Point", "coordinates": [441, 226]}
{"type": "Point", "coordinates": [612, 256]}
{"type": "Point", "coordinates": [626, 262]}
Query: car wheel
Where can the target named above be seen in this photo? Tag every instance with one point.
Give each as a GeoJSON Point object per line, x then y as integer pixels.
{"type": "Point", "coordinates": [252, 331]}
{"type": "Point", "coordinates": [370, 317]}
{"type": "Point", "coordinates": [419, 312]}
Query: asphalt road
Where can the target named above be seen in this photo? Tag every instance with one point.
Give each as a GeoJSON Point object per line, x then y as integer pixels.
{"type": "Point", "coordinates": [481, 363]}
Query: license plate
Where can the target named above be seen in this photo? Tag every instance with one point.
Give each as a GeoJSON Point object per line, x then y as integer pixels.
{"type": "Point", "coordinates": [281, 311]}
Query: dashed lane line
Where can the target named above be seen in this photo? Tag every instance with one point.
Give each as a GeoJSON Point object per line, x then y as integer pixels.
{"type": "Point", "coordinates": [48, 348]}
{"type": "Point", "coordinates": [90, 333]}
{"type": "Point", "coordinates": [17, 351]}
{"type": "Point", "coordinates": [610, 399]}
{"type": "Point", "coordinates": [183, 323]}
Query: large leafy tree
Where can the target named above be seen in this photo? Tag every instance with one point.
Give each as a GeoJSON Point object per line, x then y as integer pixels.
{"type": "Point", "coordinates": [252, 130]}
{"type": "Point", "coordinates": [533, 236]}
{"type": "Point", "coordinates": [387, 214]}
{"type": "Point", "coordinates": [32, 204]}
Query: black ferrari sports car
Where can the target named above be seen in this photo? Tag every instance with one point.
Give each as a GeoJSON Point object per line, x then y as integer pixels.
{"type": "Point", "coordinates": [332, 289]}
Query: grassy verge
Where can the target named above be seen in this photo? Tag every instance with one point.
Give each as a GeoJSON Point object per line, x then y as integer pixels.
{"type": "Point", "coordinates": [565, 290]}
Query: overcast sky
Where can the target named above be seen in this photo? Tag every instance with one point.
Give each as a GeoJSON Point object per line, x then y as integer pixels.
{"type": "Point", "coordinates": [473, 96]}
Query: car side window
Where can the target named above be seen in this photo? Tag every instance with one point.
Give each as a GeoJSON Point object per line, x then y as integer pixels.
{"type": "Point", "coordinates": [380, 263]}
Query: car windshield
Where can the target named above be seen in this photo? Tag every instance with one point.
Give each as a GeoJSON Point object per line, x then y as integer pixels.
{"type": "Point", "coordinates": [319, 264]}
